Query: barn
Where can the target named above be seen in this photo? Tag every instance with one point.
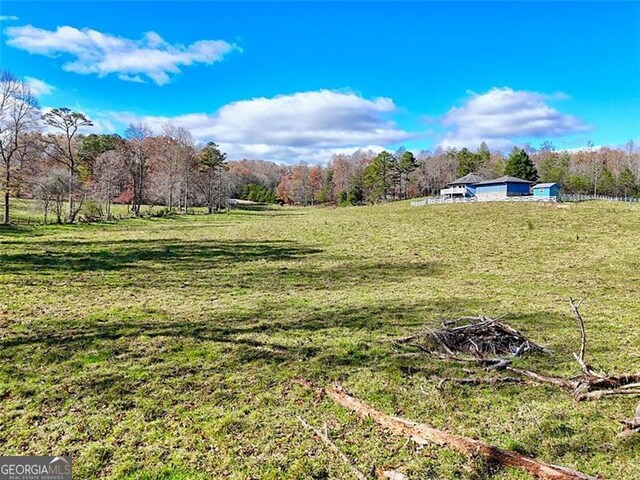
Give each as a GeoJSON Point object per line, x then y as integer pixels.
{"type": "Point", "coordinates": [546, 190]}
{"type": "Point", "coordinates": [502, 187]}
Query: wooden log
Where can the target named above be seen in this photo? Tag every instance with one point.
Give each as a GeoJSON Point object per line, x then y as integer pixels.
{"type": "Point", "coordinates": [424, 434]}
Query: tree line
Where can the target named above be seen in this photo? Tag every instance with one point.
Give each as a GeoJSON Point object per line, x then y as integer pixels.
{"type": "Point", "coordinates": [369, 177]}
{"type": "Point", "coordinates": [50, 157]}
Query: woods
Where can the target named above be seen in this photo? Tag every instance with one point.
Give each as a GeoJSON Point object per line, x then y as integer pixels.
{"type": "Point", "coordinates": [54, 157]}
{"type": "Point", "coordinates": [367, 177]}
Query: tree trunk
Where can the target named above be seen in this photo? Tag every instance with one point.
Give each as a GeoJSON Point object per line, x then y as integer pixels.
{"type": "Point", "coordinates": [5, 220]}
{"type": "Point", "coordinates": [109, 186]}
{"type": "Point", "coordinates": [71, 177]}
{"type": "Point", "coordinates": [7, 178]}
{"type": "Point", "coordinates": [70, 213]}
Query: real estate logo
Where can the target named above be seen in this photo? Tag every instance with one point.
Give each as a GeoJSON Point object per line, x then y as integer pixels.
{"type": "Point", "coordinates": [35, 468]}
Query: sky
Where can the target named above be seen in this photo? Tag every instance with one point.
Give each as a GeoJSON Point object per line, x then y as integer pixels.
{"type": "Point", "coordinates": [299, 81]}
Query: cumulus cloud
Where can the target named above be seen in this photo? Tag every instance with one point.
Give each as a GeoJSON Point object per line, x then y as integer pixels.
{"type": "Point", "coordinates": [501, 116]}
{"type": "Point", "coordinates": [308, 126]}
{"type": "Point", "coordinates": [94, 52]}
{"type": "Point", "coordinates": [8, 18]}
{"type": "Point", "coordinates": [39, 87]}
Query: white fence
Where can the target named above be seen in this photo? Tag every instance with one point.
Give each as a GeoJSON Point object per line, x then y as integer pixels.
{"type": "Point", "coordinates": [434, 200]}
{"type": "Point", "coordinates": [584, 198]}
{"type": "Point", "coordinates": [528, 198]}
{"type": "Point", "coordinates": [437, 200]}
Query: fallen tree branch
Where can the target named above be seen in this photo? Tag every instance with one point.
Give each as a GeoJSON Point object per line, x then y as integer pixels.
{"type": "Point", "coordinates": [424, 434]}
{"type": "Point", "coordinates": [583, 333]}
{"type": "Point", "coordinates": [557, 381]}
{"type": "Point", "coordinates": [598, 394]}
{"type": "Point", "coordinates": [334, 448]}
{"type": "Point", "coordinates": [478, 381]}
{"type": "Point", "coordinates": [586, 369]}
{"type": "Point", "coordinates": [631, 426]}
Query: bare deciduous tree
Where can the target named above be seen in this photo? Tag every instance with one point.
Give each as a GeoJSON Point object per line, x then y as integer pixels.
{"type": "Point", "coordinates": [109, 173]}
{"type": "Point", "coordinates": [19, 115]}
{"type": "Point", "coordinates": [136, 157]}
{"type": "Point", "coordinates": [63, 148]}
{"type": "Point", "coordinates": [176, 166]}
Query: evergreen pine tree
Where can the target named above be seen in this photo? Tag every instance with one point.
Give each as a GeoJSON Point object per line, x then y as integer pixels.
{"type": "Point", "coordinates": [519, 165]}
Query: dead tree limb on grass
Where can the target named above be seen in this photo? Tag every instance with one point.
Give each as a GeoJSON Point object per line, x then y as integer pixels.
{"type": "Point", "coordinates": [631, 426]}
{"type": "Point", "coordinates": [423, 434]}
{"type": "Point", "coordinates": [324, 436]}
{"type": "Point", "coordinates": [586, 369]}
{"type": "Point", "coordinates": [479, 381]}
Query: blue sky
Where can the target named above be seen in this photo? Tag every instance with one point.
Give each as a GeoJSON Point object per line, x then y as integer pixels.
{"type": "Point", "coordinates": [299, 81]}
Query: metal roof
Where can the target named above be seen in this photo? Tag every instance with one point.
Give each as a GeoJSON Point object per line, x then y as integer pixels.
{"type": "Point", "coordinates": [505, 179]}
{"type": "Point", "coordinates": [544, 185]}
{"type": "Point", "coordinates": [468, 179]}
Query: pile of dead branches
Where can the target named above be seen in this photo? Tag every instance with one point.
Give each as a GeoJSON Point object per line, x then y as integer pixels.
{"type": "Point", "coordinates": [477, 336]}
{"type": "Point", "coordinates": [590, 385]}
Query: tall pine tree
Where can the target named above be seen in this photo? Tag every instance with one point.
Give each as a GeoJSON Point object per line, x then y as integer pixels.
{"type": "Point", "coordinates": [519, 165]}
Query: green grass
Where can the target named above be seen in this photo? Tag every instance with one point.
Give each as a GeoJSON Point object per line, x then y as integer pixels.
{"type": "Point", "coordinates": [29, 212]}
{"type": "Point", "coordinates": [165, 348]}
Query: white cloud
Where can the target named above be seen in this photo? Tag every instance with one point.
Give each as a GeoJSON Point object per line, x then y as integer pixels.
{"type": "Point", "coordinates": [304, 126]}
{"type": "Point", "coordinates": [94, 52]}
{"type": "Point", "coordinates": [39, 87]}
{"type": "Point", "coordinates": [501, 116]}
{"type": "Point", "coordinates": [8, 18]}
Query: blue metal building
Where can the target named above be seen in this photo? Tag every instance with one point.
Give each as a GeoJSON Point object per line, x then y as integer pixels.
{"type": "Point", "coordinates": [503, 187]}
{"type": "Point", "coordinates": [546, 190]}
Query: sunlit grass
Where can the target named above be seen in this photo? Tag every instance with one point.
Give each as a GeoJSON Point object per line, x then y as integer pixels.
{"type": "Point", "coordinates": [164, 348]}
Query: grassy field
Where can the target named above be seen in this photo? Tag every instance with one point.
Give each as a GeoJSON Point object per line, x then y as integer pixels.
{"type": "Point", "coordinates": [165, 348]}
{"type": "Point", "coordinates": [29, 212]}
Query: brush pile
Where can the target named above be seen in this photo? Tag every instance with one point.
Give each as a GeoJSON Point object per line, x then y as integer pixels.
{"type": "Point", "coordinates": [477, 336]}
{"type": "Point", "coordinates": [488, 343]}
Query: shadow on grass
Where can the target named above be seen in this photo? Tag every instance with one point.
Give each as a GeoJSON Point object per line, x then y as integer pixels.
{"type": "Point", "coordinates": [14, 230]}
{"type": "Point", "coordinates": [67, 255]}
{"type": "Point", "coordinates": [271, 265]}
{"type": "Point", "coordinates": [256, 207]}
{"type": "Point", "coordinates": [248, 330]}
